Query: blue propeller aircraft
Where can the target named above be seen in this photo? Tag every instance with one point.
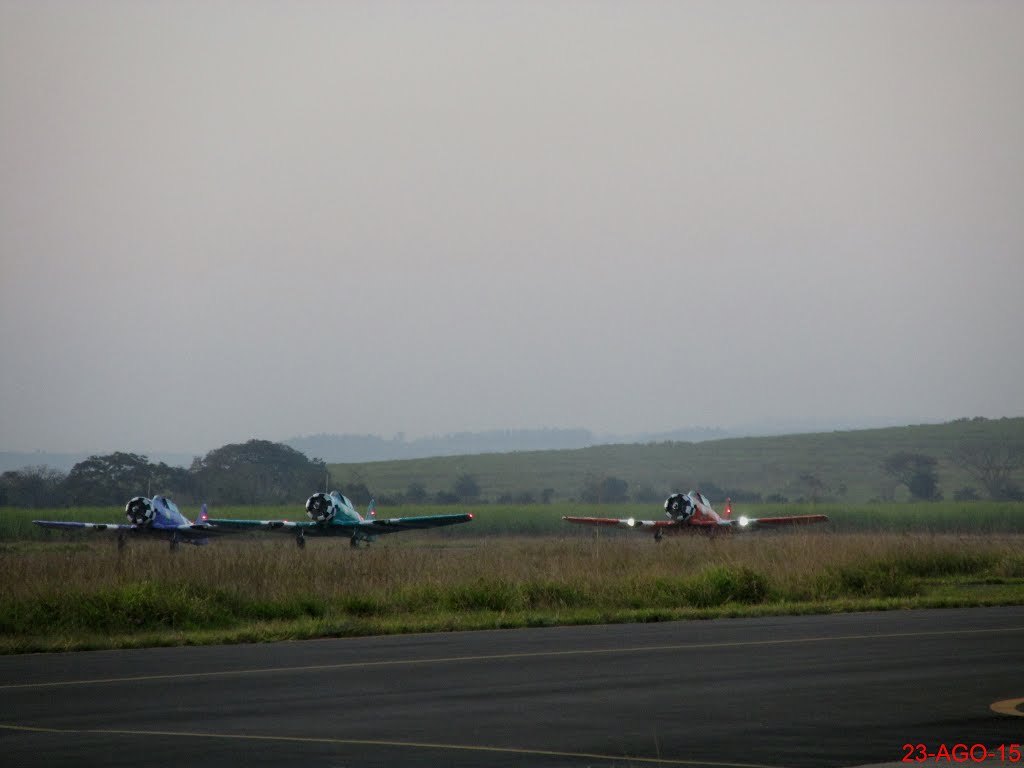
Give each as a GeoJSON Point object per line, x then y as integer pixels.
{"type": "Point", "coordinates": [158, 517]}
{"type": "Point", "coordinates": [334, 515]}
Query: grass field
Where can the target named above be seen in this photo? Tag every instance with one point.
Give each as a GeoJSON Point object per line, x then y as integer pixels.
{"type": "Point", "coordinates": [516, 566]}
{"type": "Point", "coordinates": [511, 567]}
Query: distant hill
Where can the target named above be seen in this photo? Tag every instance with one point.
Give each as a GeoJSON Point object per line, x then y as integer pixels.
{"type": "Point", "coordinates": [844, 466]}
{"type": "Point", "coordinates": [345, 449]}
{"type": "Point", "coordinates": [350, 448]}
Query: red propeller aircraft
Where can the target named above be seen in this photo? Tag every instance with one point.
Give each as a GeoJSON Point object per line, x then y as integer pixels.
{"type": "Point", "coordinates": [692, 512]}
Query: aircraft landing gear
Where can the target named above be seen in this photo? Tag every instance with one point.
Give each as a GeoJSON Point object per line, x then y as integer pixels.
{"type": "Point", "coordinates": [300, 541]}
{"type": "Point", "coordinates": [657, 535]}
{"type": "Point", "coordinates": [175, 544]}
{"type": "Point", "coordinates": [354, 542]}
{"type": "Point", "coordinates": [122, 540]}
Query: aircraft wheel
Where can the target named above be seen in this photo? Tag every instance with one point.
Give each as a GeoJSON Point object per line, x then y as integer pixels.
{"type": "Point", "coordinates": [174, 545]}
{"type": "Point", "coordinates": [122, 540]}
{"type": "Point", "coordinates": [354, 542]}
{"type": "Point", "coordinates": [300, 542]}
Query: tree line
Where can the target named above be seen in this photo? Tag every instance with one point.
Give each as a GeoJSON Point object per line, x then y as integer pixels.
{"type": "Point", "coordinates": [256, 472]}
{"type": "Point", "coordinates": [990, 464]}
{"type": "Point", "coordinates": [262, 472]}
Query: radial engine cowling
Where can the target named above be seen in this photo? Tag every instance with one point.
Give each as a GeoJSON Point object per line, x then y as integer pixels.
{"type": "Point", "coordinates": [139, 510]}
{"type": "Point", "coordinates": [679, 507]}
{"type": "Point", "coordinates": [319, 508]}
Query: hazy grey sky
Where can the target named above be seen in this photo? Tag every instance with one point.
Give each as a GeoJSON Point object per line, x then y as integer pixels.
{"type": "Point", "coordinates": [225, 220]}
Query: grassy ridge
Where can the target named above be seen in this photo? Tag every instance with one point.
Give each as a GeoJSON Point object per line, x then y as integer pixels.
{"type": "Point", "coordinates": [84, 594]}
{"type": "Point", "coordinates": [763, 464]}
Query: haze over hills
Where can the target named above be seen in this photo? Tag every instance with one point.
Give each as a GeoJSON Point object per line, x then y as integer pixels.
{"type": "Point", "coordinates": [344, 449]}
{"type": "Point", "coordinates": [357, 448]}
{"type": "Point", "coordinates": [65, 461]}
{"type": "Point", "coordinates": [351, 448]}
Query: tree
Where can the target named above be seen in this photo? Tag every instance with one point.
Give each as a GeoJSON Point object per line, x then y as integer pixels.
{"type": "Point", "coordinates": [172, 481]}
{"type": "Point", "coordinates": [916, 471]}
{"type": "Point", "coordinates": [967, 493]}
{"type": "Point", "coordinates": [813, 486]}
{"type": "Point", "coordinates": [356, 489]}
{"type": "Point", "coordinates": [518, 497]}
{"type": "Point", "coordinates": [257, 472]}
{"type": "Point", "coordinates": [32, 487]}
{"type": "Point", "coordinates": [648, 494]}
{"type": "Point", "coordinates": [416, 493]}
{"type": "Point", "coordinates": [809, 486]}
{"type": "Point", "coordinates": [710, 489]}
{"type": "Point", "coordinates": [358, 492]}
{"type": "Point", "coordinates": [992, 464]}
{"type": "Point", "coordinates": [110, 479]}
{"type": "Point", "coordinates": [604, 489]}
{"type": "Point", "coordinates": [466, 489]}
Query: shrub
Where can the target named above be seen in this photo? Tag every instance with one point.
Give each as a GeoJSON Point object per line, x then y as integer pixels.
{"type": "Point", "coordinates": [721, 584]}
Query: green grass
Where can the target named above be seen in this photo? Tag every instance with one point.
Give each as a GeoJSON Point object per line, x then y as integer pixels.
{"type": "Point", "coordinates": [77, 595]}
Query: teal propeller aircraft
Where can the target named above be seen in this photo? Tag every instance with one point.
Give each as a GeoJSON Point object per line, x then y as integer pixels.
{"type": "Point", "coordinates": [335, 515]}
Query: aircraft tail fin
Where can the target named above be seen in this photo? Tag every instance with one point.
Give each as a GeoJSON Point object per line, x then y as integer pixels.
{"type": "Point", "coordinates": [728, 509]}
{"type": "Point", "coordinates": [203, 514]}
{"type": "Point", "coordinates": [371, 509]}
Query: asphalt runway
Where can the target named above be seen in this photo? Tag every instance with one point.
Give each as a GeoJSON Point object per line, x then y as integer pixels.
{"type": "Point", "coordinates": [841, 690]}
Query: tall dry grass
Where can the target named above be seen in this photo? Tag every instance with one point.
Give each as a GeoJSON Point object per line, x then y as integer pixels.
{"type": "Point", "coordinates": [273, 568]}
{"type": "Point", "coordinates": [87, 588]}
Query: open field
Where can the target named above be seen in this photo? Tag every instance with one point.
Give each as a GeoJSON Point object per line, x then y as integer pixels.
{"type": "Point", "coordinates": [75, 592]}
{"type": "Point", "coordinates": [848, 463]}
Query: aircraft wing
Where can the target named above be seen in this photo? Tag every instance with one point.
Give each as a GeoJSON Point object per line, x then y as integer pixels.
{"type": "Point", "coordinates": [191, 531]}
{"type": "Point", "coordinates": [738, 524]}
{"type": "Point", "coordinates": [69, 525]}
{"type": "Point", "coordinates": [378, 526]}
{"type": "Point", "coordinates": [628, 522]}
{"type": "Point", "coordinates": [373, 526]}
{"type": "Point", "coordinates": [200, 529]}
{"type": "Point", "coordinates": [776, 522]}
{"type": "Point", "coordinates": [286, 526]}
